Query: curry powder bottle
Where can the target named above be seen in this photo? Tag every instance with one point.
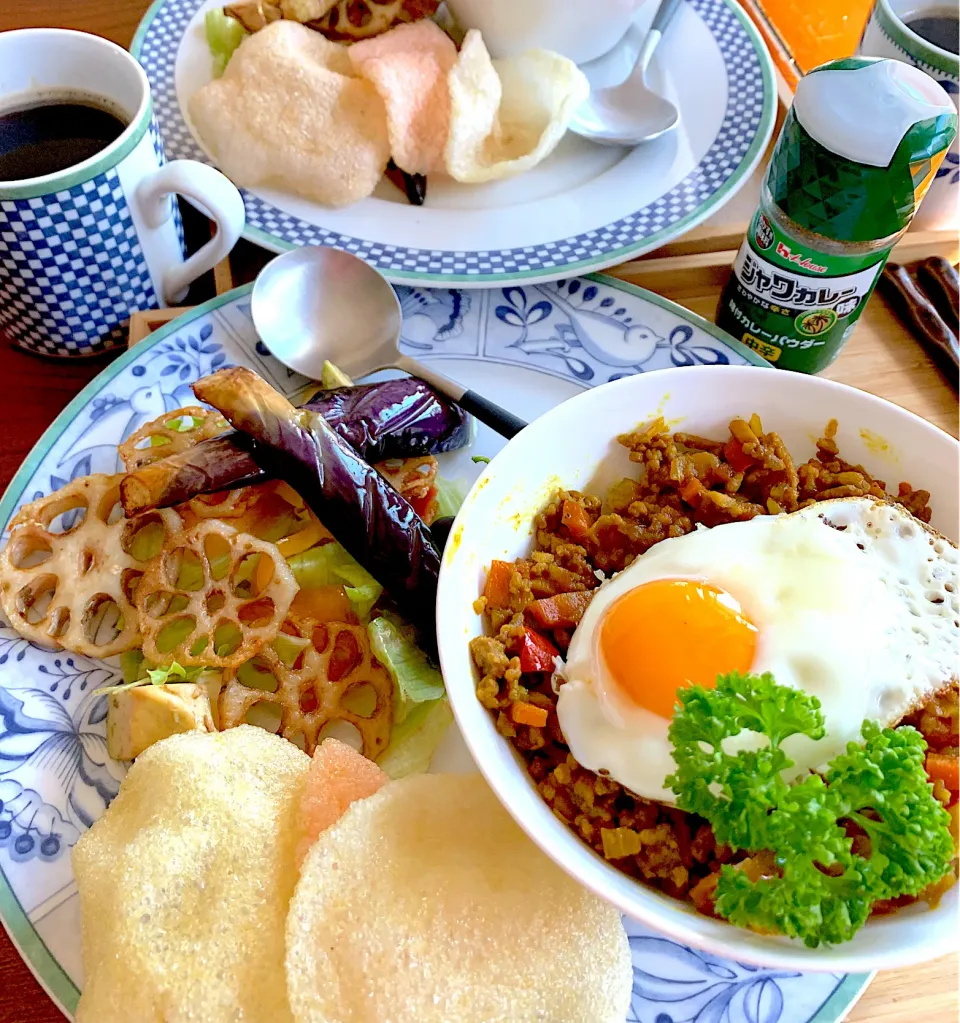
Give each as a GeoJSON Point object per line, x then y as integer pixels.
{"type": "Point", "coordinates": [856, 154]}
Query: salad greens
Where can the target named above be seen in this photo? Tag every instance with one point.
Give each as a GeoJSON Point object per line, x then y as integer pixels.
{"type": "Point", "coordinates": [450, 495]}
{"type": "Point", "coordinates": [822, 890]}
{"type": "Point", "coordinates": [331, 565]}
{"type": "Point", "coordinates": [224, 35]}
{"type": "Point", "coordinates": [416, 679]}
{"type": "Point", "coordinates": [137, 671]}
{"type": "Point", "coordinates": [421, 713]}
{"type": "Point", "coordinates": [414, 740]}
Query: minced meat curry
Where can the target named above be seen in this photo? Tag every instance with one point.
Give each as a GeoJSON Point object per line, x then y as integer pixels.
{"type": "Point", "coordinates": [533, 605]}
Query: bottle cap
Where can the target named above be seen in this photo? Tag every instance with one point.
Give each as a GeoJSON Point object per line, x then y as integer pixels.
{"type": "Point", "coordinates": [859, 147]}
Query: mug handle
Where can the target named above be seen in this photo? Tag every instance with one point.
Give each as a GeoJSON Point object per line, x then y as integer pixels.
{"type": "Point", "coordinates": [210, 190]}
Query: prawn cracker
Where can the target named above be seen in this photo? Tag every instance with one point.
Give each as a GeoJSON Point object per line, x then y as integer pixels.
{"type": "Point", "coordinates": [507, 115]}
{"type": "Point", "coordinates": [408, 67]}
{"type": "Point", "coordinates": [185, 882]}
{"type": "Point", "coordinates": [289, 113]}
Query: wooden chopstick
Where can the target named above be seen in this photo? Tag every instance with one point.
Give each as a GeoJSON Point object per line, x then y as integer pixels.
{"type": "Point", "coordinates": [919, 313]}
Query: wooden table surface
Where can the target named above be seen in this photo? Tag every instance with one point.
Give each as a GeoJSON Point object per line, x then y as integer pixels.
{"type": "Point", "coordinates": [881, 358]}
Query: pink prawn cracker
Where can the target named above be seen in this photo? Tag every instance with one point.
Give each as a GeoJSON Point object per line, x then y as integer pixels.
{"type": "Point", "coordinates": [408, 67]}
{"type": "Point", "coordinates": [338, 776]}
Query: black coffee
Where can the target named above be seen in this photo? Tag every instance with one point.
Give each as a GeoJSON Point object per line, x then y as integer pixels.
{"type": "Point", "coordinates": [50, 136]}
{"type": "Point", "coordinates": [942, 30]}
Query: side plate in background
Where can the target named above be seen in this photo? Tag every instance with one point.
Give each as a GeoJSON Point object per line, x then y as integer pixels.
{"type": "Point", "coordinates": [584, 208]}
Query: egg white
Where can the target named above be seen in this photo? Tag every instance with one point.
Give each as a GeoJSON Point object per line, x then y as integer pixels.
{"type": "Point", "coordinates": [855, 602]}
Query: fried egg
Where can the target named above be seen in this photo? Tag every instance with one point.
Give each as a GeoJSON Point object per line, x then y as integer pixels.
{"type": "Point", "coordinates": [853, 601]}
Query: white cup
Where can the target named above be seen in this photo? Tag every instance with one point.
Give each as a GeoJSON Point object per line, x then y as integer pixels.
{"type": "Point", "coordinates": [886, 35]}
{"type": "Point", "coordinates": [84, 247]}
{"type": "Point", "coordinates": [579, 29]}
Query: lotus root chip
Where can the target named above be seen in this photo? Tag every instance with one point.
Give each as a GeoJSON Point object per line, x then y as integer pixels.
{"type": "Point", "coordinates": [335, 679]}
{"type": "Point", "coordinates": [350, 20]}
{"type": "Point", "coordinates": [171, 434]}
{"type": "Point", "coordinates": [209, 598]}
{"type": "Point", "coordinates": [72, 566]}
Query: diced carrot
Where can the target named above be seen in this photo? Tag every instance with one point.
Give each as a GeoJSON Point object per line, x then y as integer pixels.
{"type": "Point", "coordinates": [497, 587]}
{"type": "Point", "coordinates": [562, 611]}
{"type": "Point", "coordinates": [946, 768]}
{"type": "Point", "coordinates": [702, 894]}
{"type": "Point", "coordinates": [537, 653]}
{"type": "Point", "coordinates": [736, 458]}
{"type": "Point", "coordinates": [690, 490]}
{"type": "Point", "coordinates": [574, 517]}
{"type": "Point", "coordinates": [528, 714]}
{"type": "Point", "coordinates": [323, 604]}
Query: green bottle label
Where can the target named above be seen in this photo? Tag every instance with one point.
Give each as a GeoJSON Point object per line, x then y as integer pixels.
{"type": "Point", "coordinates": [791, 304]}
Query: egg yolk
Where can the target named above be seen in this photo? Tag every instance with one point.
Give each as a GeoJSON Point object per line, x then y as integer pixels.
{"type": "Point", "coordinates": [672, 633]}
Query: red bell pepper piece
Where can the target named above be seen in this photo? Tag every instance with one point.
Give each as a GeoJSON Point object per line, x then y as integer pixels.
{"type": "Point", "coordinates": [737, 460]}
{"type": "Point", "coordinates": [536, 652]}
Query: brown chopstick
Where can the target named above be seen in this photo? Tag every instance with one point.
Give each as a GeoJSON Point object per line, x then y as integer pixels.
{"type": "Point", "coordinates": [919, 313]}
{"type": "Point", "coordinates": [939, 279]}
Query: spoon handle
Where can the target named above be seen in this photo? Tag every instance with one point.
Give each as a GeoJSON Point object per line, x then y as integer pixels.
{"type": "Point", "coordinates": [497, 418]}
{"type": "Point", "coordinates": [665, 12]}
{"type": "Point", "coordinates": [651, 41]}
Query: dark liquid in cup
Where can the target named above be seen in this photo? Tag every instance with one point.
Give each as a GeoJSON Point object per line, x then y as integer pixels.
{"type": "Point", "coordinates": [940, 27]}
{"type": "Point", "coordinates": [47, 137]}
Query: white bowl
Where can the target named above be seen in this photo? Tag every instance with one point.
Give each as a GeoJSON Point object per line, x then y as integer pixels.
{"type": "Point", "coordinates": [574, 446]}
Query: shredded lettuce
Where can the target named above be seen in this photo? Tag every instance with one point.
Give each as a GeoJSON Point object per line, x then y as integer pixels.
{"type": "Point", "coordinates": [289, 648]}
{"type": "Point", "coordinates": [362, 598]}
{"type": "Point", "coordinates": [173, 672]}
{"type": "Point", "coordinates": [415, 678]}
{"type": "Point", "coordinates": [147, 541]}
{"type": "Point", "coordinates": [253, 676]}
{"type": "Point", "coordinates": [414, 740]}
{"type": "Point", "coordinates": [450, 495]}
{"type": "Point", "coordinates": [133, 665]}
{"type": "Point", "coordinates": [224, 35]}
{"type": "Point", "coordinates": [137, 671]}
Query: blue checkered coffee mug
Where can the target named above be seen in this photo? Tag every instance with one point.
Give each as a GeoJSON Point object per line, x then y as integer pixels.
{"type": "Point", "coordinates": [83, 248]}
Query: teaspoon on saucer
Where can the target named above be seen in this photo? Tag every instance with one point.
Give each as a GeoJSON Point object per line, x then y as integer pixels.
{"type": "Point", "coordinates": [631, 112]}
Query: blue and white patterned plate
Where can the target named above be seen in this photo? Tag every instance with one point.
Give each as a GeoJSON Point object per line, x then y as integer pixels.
{"type": "Point", "coordinates": [586, 207]}
{"type": "Point", "coordinates": [530, 348]}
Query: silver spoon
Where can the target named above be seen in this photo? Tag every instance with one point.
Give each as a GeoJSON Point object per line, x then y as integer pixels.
{"type": "Point", "coordinates": [631, 112]}
{"type": "Point", "coordinates": [315, 304]}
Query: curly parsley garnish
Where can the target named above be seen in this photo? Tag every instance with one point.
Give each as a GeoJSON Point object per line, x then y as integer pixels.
{"type": "Point", "coordinates": [825, 890]}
